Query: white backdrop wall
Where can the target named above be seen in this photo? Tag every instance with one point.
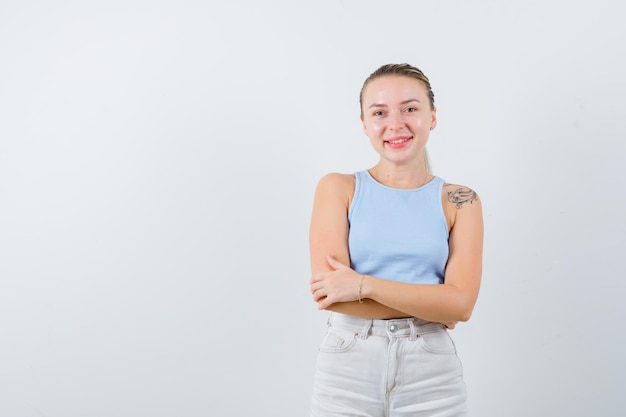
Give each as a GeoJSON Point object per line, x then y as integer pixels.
{"type": "Point", "coordinates": [157, 168]}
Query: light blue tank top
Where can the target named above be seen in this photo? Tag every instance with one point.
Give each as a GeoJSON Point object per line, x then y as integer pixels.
{"type": "Point", "coordinates": [397, 234]}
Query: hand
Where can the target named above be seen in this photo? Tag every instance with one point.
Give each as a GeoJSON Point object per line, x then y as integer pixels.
{"type": "Point", "coordinates": [339, 285]}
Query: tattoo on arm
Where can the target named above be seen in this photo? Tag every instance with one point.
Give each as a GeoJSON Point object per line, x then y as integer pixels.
{"type": "Point", "coordinates": [461, 196]}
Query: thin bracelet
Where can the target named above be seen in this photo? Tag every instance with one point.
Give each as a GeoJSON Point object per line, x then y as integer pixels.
{"type": "Point", "coordinates": [361, 288]}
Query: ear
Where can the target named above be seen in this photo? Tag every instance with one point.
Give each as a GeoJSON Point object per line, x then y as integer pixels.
{"type": "Point", "coordinates": [433, 120]}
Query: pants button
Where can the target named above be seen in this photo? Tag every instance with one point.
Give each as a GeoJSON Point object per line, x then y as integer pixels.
{"type": "Point", "coordinates": [393, 328]}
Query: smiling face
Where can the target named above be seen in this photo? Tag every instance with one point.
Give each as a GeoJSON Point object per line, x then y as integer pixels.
{"type": "Point", "coordinates": [397, 117]}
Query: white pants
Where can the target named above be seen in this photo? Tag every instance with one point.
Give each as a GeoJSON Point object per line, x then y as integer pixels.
{"type": "Point", "coordinates": [387, 368]}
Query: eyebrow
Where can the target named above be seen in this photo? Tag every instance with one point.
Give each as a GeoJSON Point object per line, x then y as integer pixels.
{"type": "Point", "coordinates": [402, 102]}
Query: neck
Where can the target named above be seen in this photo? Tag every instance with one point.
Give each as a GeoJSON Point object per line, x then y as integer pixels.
{"type": "Point", "coordinates": [400, 176]}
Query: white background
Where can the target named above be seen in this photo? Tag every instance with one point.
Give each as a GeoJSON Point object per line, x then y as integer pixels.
{"type": "Point", "coordinates": [157, 168]}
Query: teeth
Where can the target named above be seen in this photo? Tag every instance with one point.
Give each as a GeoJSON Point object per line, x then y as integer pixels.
{"type": "Point", "coordinates": [398, 141]}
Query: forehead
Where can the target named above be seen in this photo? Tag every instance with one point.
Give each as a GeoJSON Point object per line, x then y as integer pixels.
{"type": "Point", "coordinates": [394, 86]}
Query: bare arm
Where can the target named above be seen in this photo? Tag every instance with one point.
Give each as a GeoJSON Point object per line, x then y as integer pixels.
{"type": "Point", "coordinates": [449, 302]}
{"type": "Point", "coordinates": [328, 235]}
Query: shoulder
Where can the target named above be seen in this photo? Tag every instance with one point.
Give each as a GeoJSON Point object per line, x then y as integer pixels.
{"type": "Point", "coordinates": [459, 196]}
{"type": "Point", "coordinates": [460, 203]}
{"type": "Point", "coordinates": [333, 196]}
{"type": "Point", "coordinates": [336, 179]}
{"type": "Point", "coordinates": [336, 184]}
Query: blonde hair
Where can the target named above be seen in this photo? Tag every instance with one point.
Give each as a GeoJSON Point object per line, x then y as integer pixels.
{"type": "Point", "coordinates": [404, 70]}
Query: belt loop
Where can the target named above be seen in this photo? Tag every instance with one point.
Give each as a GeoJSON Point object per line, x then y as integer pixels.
{"type": "Point", "coordinates": [413, 335]}
{"type": "Point", "coordinates": [365, 329]}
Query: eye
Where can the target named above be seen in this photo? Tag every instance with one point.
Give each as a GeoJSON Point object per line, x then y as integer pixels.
{"type": "Point", "coordinates": [377, 113]}
{"type": "Point", "coordinates": [411, 109]}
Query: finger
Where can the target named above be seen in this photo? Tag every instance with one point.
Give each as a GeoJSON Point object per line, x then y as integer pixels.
{"type": "Point", "coordinates": [317, 277]}
{"type": "Point", "coordinates": [321, 303]}
{"type": "Point", "coordinates": [324, 299]}
{"type": "Point", "coordinates": [335, 264]}
{"type": "Point", "coordinates": [319, 294]}
{"type": "Point", "coordinates": [314, 286]}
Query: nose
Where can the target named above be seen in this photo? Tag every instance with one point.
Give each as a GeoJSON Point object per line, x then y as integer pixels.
{"type": "Point", "coordinates": [395, 121]}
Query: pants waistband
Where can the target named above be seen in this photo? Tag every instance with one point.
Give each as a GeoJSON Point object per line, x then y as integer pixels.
{"type": "Point", "coordinates": [412, 327]}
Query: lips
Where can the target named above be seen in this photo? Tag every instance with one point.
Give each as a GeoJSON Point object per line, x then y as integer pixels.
{"type": "Point", "coordinates": [398, 142]}
{"type": "Point", "coordinates": [394, 142]}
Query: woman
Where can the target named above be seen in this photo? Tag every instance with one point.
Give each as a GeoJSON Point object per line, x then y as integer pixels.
{"type": "Point", "coordinates": [396, 257]}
